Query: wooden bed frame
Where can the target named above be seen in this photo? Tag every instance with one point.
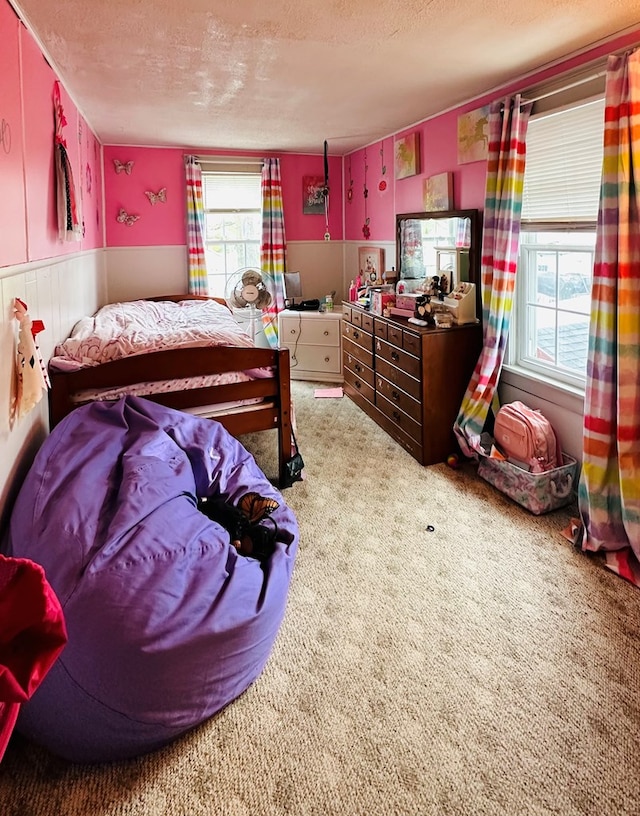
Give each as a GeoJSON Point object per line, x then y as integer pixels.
{"type": "Point", "coordinates": [274, 411]}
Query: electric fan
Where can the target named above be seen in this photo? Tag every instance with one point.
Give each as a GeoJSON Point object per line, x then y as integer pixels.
{"type": "Point", "coordinates": [248, 296]}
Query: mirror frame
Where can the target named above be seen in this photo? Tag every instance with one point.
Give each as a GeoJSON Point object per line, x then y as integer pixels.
{"type": "Point", "coordinates": [474, 244]}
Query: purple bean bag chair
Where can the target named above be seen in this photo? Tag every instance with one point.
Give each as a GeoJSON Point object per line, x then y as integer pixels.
{"type": "Point", "coordinates": [167, 622]}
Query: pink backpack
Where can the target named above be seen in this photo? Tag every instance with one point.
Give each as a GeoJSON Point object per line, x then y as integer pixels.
{"type": "Point", "coordinates": [526, 437]}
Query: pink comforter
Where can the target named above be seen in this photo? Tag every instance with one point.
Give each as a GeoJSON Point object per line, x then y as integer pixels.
{"type": "Point", "coordinates": [141, 326]}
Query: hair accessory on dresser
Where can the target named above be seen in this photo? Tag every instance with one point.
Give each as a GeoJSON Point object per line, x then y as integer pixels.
{"type": "Point", "coordinates": [123, 166]}
{"type": "Point", "coordinates": [161, 196]}
{"type": "Point", "coordinates": [124, 218]}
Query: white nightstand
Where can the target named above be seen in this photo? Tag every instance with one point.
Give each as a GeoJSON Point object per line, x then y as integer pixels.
{"type": "Point", "coordinates": [314, 340]}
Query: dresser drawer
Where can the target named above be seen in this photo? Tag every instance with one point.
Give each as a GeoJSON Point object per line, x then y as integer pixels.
{"type": "Point", "coordinates": [399, 378]}
{"type": "Point", "coordinates": [346, 312]}
{"type": "Point", "coordinates": [356, 352]}
{"type": "Point", "coordinates": [358, 368]}
{"type": "Point", "coordinates": [380, 328]}
{"type": "Point", "coordinates": [320, 332]}
{"type": "Point", "coordinates": [401, 420]}
{"type": "Point", "coordinates": [359, 385]}
{"type": "Point", "coordinates": [314, 360]}
{"type": "Point", "coordinates": [394, 335]}
{"type": "Point", "coordinates": [412, 343]}
{"type": "Point", "coordinates": [411, 445]}
{"type": "Point", "coordinates": [396, 356]}
{"type": "Point", "coordinates": [398, 397]}
{"type": "Point", "coordinates": [358, 336]}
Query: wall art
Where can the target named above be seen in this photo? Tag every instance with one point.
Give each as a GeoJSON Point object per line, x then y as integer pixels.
{"type": "Point", "coordinates": [160, 196]}
{"type": "Point", "coordinates": [438, 192]}
{"type": "Point", "coordinates": [123, 217]}
{"type": "Point", "coordinates": [407, 155]}
{"type": "Point", "coordinates": [371, 265]}
{"type": "Point", "coordinates": [123, 167]}
{"type": "Point", "coordinates": [473, 135]}
{"type": "Point", "coordinates": [313, 195]}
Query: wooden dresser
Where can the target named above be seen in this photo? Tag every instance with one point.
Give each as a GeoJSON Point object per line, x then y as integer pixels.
{"type": "Point", "coordinates": [409, 379]}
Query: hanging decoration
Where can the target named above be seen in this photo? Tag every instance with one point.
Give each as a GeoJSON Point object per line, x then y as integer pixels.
{"type": "Point", "coordinates": [31, 377]}
{"type": "Point", "coordinates": [350, 190]}
{"type": "Point", "coordinates": [160, 196]}
{"type": "Point", "coordinates": [123, 217]}
{"type": "Point", "coordinates": [123, 167]}
{"type": "Point", "coordinates": [325, 193]}
{"type": "Point", "coordinates": [69, 224]}
{"type": "Point", "coordinates": [365, 228]}
{"type": "Point", "coordinates": [5, 136]}
{"type": "Point", "coordinates": [382, 184]}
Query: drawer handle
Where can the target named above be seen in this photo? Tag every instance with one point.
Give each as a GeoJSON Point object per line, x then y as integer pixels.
{"type": "Point", "coordinates": [396, 416]}
{"type": "Point", "coordinates": [355, 333]}
{"type": "Point", "coordinates": [326, 359]}
{"type": "Point", "coordinates": [357, 384]}
{"type": "Point", "coordinates": [395, 396]}
{"type": "Point", "coordinates": [358, 368]}
{"type": "Point", "coordinates": [292, 331]}
{"type": "Point", "coordinates": [395, 356]}
{"type": "Point", "coordinates": [326, 334]}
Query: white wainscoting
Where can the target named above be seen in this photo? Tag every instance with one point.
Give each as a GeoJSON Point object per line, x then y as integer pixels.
{"type": "Point", "coordinates": [57, 291]}
{"type": "Point", "coordinates": [139, 272]}
{"type": "Point", "coordinates": [133, 272]}
{"type": "Point", "coordinates": [321, 267]}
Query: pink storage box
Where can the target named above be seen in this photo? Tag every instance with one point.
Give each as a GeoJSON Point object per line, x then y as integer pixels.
{"type": "Point", "coordinates": [406, 300]}
{"type": "Point", "coordinates": [537, 492]}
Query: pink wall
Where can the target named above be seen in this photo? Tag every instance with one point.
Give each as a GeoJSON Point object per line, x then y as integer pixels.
{"type": "Point", "coordinates": [438, 154]}
{"type": "Point", "coordinates": [28, 204]}
{"type": "Point", "coordinates": [301, 227]}
{"type": "Point", "coordinates": [165, 224]}
{"type": "Point", "coordinates": [13, 245]}
{"type": "Point", "coordinates": [160, 224]}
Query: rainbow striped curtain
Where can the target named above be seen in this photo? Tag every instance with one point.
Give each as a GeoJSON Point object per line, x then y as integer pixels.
{"type": "Point", "coordinates": [197, 264]}
{"type": "Point", "coordinates": [609, 489]}
{"type": "Point", "coordinates": [508, 122]}
{"type": "Point", "coordinates": [273, 248]}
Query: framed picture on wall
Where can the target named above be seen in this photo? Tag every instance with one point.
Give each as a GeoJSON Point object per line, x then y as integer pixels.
{"type": "Point", "coordinates": [312, 195]}
{"type": "Point", "coordinates": [473, 135]}
{"type": "Point", "coordinates": [407, 156]}
{"type": "Point", "coordinates": [371, 265]}
{"type": "Point", "coordinates": [438, 192]}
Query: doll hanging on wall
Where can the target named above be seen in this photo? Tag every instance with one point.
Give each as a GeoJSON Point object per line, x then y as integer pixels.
{"type": "Point", "coordinates": [31, 379]}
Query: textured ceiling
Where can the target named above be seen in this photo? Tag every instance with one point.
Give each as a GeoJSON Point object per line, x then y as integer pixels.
{"type": "Point", "coordinates": [284, 75]}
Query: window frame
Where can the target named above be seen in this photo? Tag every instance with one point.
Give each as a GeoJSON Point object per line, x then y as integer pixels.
{"type": "Point", "coordinates": [519, 356]}
{"type": "Point", "coordinates": [230, 168]}
{"type": "Point", "coordinates": [518, 359]}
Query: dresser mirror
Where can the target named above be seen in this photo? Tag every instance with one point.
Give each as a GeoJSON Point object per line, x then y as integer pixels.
{"type": "Point", "coordinates": [436, 251]}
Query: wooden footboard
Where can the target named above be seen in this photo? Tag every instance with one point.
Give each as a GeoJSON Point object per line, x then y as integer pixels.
{"type": "Point", "coordinates": [274, 392]}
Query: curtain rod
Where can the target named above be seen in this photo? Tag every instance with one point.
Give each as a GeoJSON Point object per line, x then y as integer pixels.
{"type": "Point", "coordinates": [231, 160]}
{"type": "Point", "coordinates": [567, 87]}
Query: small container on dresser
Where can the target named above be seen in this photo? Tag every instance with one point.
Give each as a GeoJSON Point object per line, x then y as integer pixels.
{"type": "Point", "coordinates": [314, 340]}
{"type": "Point", "coordinates": [409, 379]}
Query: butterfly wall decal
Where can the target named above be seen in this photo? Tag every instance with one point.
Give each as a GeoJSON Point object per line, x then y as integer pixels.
{"type": "Point", "coordinates": [124, 218]}
{"type": "Point", "coordinates": [123, 166]}
{"type": "Point", "coordinates": [161, 196]}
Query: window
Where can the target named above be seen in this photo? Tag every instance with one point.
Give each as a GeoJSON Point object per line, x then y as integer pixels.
{"type": "Point", "coordinates": [232, 200]}
{"type": "Point", "coordinates": [550, 329]}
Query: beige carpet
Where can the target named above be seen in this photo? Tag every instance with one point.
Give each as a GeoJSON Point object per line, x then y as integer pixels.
{"type": "Point", "coordinates": [482, 668]}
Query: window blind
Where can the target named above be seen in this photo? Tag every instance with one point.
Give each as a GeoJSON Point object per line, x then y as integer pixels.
{"type": "Point", "coordinates": [231, 191]}
{"type": "Point", "coordinates": [564, 164]}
